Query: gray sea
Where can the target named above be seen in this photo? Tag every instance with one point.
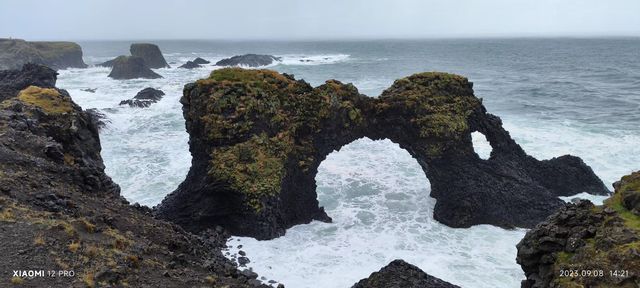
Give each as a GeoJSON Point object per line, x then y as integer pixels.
{"type": "Point", "coordinates": [555, 96]}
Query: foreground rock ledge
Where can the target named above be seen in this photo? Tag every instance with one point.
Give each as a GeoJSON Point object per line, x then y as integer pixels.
{"type": "Point", "coordinates": [60, 211]}
{"type": "Point", "coordinates": [257, 138]}
{"type": "Point", "coordinates": [400, 274]}
{"type": "Point", "coordinates": [587, 239]}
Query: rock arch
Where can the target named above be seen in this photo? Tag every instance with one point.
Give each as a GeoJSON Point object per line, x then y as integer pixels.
{"type": "Point", "coordinates": [257, 138]}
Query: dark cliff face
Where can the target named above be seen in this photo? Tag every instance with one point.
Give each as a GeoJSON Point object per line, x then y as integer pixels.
{"type": "Point", "coordinates": [257, 138]}
{"type": "Point", "coordinates": [150, 53]}
{"type": "Point", "coordinates": [60, 211]}
{"type": "Point", "coordinates": [400, 274]}
{"type": "Point", "coordinates": [583, 245]}
{"type": "Point", "coordinates": [57, 55]}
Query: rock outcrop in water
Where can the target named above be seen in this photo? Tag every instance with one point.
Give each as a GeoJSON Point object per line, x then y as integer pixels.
{"type": "Point", "coordinates": [14, 53]}
{"type": "Point", "coordinates": [150, 53]}
{"type": "Point", "coordinates": [60, 211]}
{"type": "Point", "coordinates": [131, 67]}
{"type": "Point", "coordinates": [144, 98]}
{"type": "Point", "coordinates": [200, 61]}
{"type": "Point", "coordinates": [190, 65]}
{"type": "Point", "coordinates": [249, 60]}
{"type": "Point", "coordinates": [257, 138]}
{"type": "Point", "coordinates": [583, 245]}
{"type": "Point", "coordinates": [400, 274]}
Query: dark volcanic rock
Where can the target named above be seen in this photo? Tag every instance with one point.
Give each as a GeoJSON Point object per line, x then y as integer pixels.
{"type": "Point", "coordinates": [150, 53]}
{"type": "Point", "coordinates": [250, 60]}
{"type": "Point", "coordinates": [131, 67]}
{"type": "Point", "coordinates": [57, 55]}
{"type": "Point", "coordinates": [582, 237]}
{"type": "Point", "coordinates": [55, 199]}
{"type": "Point", "coordinates": [108, 63]}
{"type": "Point", "coordinates": [12, 81]}
{"type": "Point", "coordinates": [400, 274]}
{"type": "Point", "coordinates": [190, 65]}
{"type": "Point", "coordinates": [144, 98]}
{"type": "Point", "coordinates": [200, 61]}
{"type": "Point", "coordinates": [257, 138]}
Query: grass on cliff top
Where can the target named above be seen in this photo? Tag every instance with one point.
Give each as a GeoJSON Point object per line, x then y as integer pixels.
{"type": "Point", "coordinates": [629, 183]}
{"type": "Point", "coordinates": [47, 99]}
{"type": "Point", "coordinates": [236, 74]}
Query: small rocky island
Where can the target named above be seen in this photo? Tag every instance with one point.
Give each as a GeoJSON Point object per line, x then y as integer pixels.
{"type": "Point", "coordinates": [131, 67]}
{"type": "Point", "coordinates": [257, 138]}
{"type": "Point", "coordinates": [248, 60]}
{"type": "Point", "coordinates": [150, 53]}
{"type": "Point", "coordinates": [56, 55]}
{"type": "Point", "coordinates": [144, 98]}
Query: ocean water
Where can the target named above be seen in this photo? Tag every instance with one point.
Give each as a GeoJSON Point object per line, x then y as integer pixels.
{"type": "Point", "coordinates": [555, 96]}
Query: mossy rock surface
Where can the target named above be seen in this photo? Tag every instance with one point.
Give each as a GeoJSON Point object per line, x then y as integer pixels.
{"type": "Point", "coordinates": [257, 138]}
{"type": "Point", "coordinates": [584, 245]}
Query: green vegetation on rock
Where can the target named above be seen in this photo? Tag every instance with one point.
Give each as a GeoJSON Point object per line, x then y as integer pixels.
{"type": "Point", "coordinates": [49, 100]}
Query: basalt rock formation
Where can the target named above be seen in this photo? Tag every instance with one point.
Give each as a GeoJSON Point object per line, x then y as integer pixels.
{"type": "Point", "coordinates": [150, 53]}
{"type": "Point", "coordinates": [200, 61]}
{"type": "Point", "coordinates": [400, 274]}
{"type": "Point", "coordinates": [131, 67]}
{"type": "Point", "coordinates": [190, 65]}
{"type": "Point", "coordinates": [250, 60]}
{"type": "Point", "coordinates": [144, 98]}
{"type": "Point", "coordinates": [14, 53]}
{"type": "Point", "coordinates": [60, 211]}
{"type": "Point", "coordinates": [583, 245]}
{"type": "Point", "coordinates": [257, 138]}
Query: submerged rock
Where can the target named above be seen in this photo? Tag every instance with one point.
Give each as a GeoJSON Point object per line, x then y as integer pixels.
{"type": "Point", "coordinates": [150, 53]}
{"type": "Point", "coordinates": [190, 65]}
{"type": "Point", "coordinates": [131, 67]}
{"type": "Point", "coordinates": [250, 60]}
{"type": "Point", "coordinates": [200, 61]}
{"type": "Point", "coordinates": [583, 245]}
{"type": "Point", "coordinates": [57, 55]}
{"type": "Point", "coordinates": [144, 98]}
{"type": "Point", "coordinates": [257, 138]}
{"type": "Point", "coordinates": [400, 274]}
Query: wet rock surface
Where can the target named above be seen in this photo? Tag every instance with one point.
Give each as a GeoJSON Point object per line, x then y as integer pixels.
{"type": "Point", "coordinates": [200, 61]}
{"type": "Point", "coordinates": [14, 53]}
{"type": "Point", "coordinates": [257, 138]}
{"type": "Point", "coordinates": [150, 53]}
{"type": "Point", "coordinates": [583, 245]}
{"type": "Point", "coordinates": [131, 67]}
{"type": "Point", "coordinates": [60, 211]}
{"type": "Point", "coordinates": [144, 98]}
{"type": "Point", "coordinates": [190, 65]}
{"type": "Point", "coordinates": [250, 60]}
{"type": "Point", "coordinates": [400, 274]}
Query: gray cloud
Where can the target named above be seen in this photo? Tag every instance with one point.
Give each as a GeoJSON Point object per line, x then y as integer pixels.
{"type": "Point", "coordinates": [311, 19]}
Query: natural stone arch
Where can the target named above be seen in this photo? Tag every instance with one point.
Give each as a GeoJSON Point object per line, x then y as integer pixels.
{"type": "Point", "coordinates": [257, 138]}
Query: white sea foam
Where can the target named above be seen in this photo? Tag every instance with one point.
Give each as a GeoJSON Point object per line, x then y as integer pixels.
{"type": "Point", "coordinates": [297, 59]}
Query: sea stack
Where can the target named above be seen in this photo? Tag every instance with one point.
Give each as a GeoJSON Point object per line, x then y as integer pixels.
{"type": "Point", "coordinates": [14, 53]}
{"type": "Point", "coordinates": [131, 67]}
{"type": "Point", "coordinates": [257, 138]}
{"type": "Point", "coordinates": [144, 98]}
{"type": "Point", "coordinates": [150, 53]}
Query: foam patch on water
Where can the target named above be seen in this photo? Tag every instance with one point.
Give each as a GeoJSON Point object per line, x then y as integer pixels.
{"type": "Point", "coordinates": [297, 59]}
{"type": "Point", "coordinates": [595, 199]}
{"type": "Point", "coordinates": [378, 197]}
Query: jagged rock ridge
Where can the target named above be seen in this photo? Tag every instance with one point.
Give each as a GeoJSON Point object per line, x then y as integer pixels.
{"type": "Point", "coordinates": [257, 138]}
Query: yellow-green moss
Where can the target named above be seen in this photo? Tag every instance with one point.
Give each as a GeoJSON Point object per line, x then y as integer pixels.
{"type": "Point", "coordinates": [255, 167]}
{"type": "Point", "coordinates": [628, 183]}
{"type": "Point", "coordinates": [47, 99]}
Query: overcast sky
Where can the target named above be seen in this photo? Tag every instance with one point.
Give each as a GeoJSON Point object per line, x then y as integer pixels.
{"type": "Point", "coordinates": [314, 19]}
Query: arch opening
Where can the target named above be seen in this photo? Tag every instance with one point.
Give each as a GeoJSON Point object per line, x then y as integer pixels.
{"type": "Point", "coordinates": [481, 145]}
